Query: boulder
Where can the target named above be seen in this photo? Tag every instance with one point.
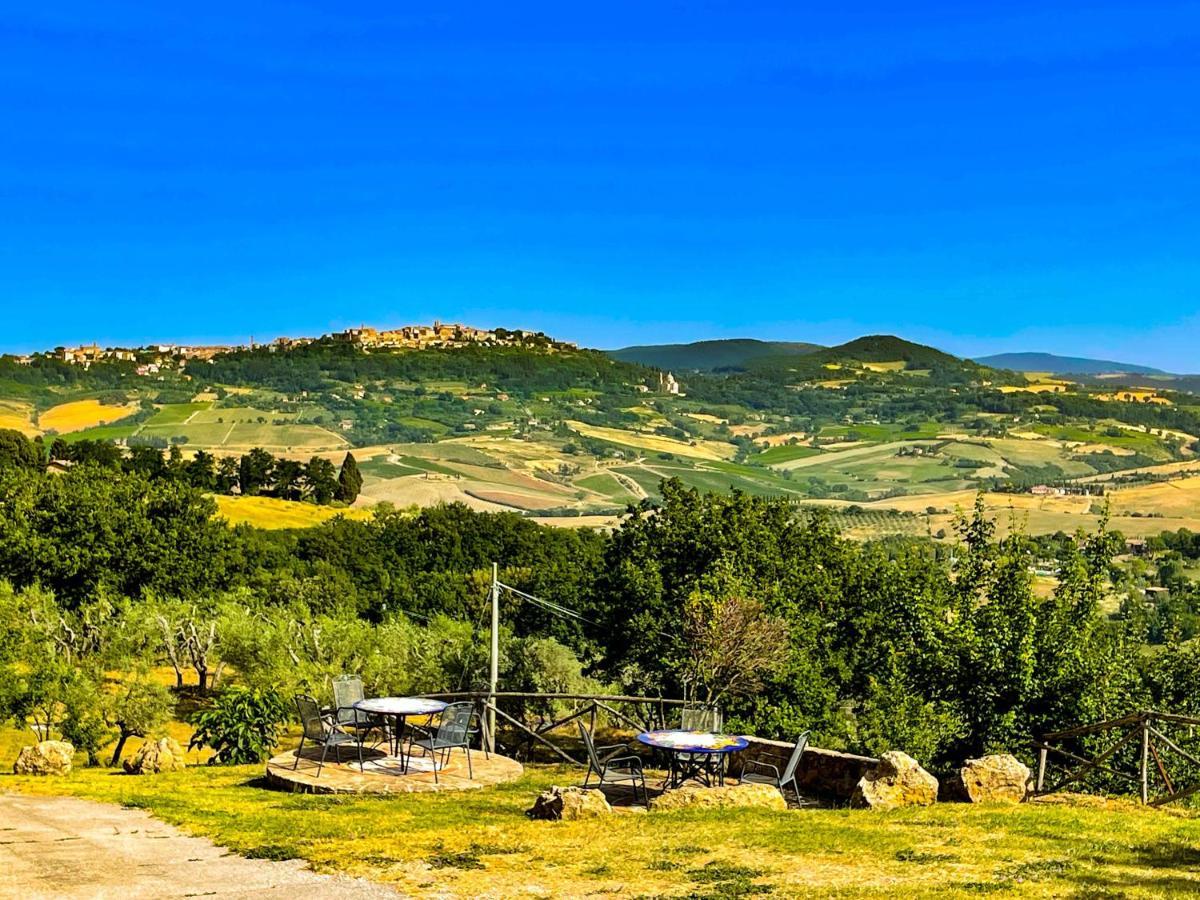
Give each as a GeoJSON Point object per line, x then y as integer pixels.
{"type": "Point", "coordinates": [569, 803]}
{"type": "Point", "coordinates": [1000, 778]}
{"type": "Point", "coordinates": [46, 758]}
{"type": "Point", "coordinates": [896, 782]}
{"type": "Point", "coordinates": [164, 755]}
{"type": "Point", "coordinates": [760, 796]}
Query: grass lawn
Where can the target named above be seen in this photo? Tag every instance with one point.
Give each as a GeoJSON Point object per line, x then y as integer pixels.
{"type": "Point", "coordinates": [480, 843]}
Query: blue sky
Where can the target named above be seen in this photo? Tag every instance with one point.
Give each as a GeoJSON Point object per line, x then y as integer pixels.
{"type": "Point", "coordinates": [984, 176]}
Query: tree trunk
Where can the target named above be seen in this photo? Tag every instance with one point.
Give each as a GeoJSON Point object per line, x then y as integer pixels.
{"type": "Point", "coordinates": [202, 678]}
{"type": "Point", "coordinates": [119, 749]}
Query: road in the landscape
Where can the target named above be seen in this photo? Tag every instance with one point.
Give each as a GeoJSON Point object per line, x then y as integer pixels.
{"type": "Point", "coordinates": [63, 847]}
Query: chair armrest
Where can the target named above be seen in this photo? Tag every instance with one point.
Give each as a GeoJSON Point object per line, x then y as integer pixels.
{"type": "Point", "coordinates": [636, 760]}
{"type": "Point", "coordinates": [761, 765]}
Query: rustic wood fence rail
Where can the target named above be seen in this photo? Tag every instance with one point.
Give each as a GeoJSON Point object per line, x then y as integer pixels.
{"type": "Point", "coordinates": [1144, 731]}
{"type": "Point", "coordinates": [641, 713]}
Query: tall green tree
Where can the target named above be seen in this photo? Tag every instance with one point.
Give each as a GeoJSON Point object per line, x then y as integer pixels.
{"type": "Point", "coordinates": [349, 480]}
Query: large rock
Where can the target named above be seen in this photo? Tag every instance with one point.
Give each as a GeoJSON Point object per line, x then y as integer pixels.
{"type": "Point", "coordinates": [46, 758]}
{"type": "Point", "coordinates": [760, 796]}
{"type": "Point", "coordinates": [569, 803]}
{"type": "Point", "coordinates": [1000, 778]}
{"type": "Point", "coordinates": [896, 782]}
{"type": "Point", "coordinates": [163, 755]}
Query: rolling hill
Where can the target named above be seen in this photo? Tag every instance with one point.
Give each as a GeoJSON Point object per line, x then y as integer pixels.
{"type": "Point", "coordinates": [1062, 365]}
{"type": "Point", "coordinates": [708, 356]}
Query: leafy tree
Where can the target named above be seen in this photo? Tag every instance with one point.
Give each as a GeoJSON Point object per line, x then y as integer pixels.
{"type": "Point", "coordinates": [321, 479]}
{"type": "Point", "coordinates": [255, 471]}
{"type": "Point", "coordinates": [136, 710]}
{"type": "Point", "coordinates": [17, 451]}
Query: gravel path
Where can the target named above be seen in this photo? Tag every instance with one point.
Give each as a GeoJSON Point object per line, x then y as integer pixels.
{"type": "Point", "coordinates": [59, 847]}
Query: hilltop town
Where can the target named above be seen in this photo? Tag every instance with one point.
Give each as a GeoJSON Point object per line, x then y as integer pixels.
{"type": "Point", "coordinates": [153, 358]}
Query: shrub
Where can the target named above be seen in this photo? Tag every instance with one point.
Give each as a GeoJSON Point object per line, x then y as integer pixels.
{"type": "Point", "coordinates": [241, 725]}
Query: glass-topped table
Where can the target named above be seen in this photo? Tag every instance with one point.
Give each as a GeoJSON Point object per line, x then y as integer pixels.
{"type": "Point", "coordinates": [399, 709]}
{"type": "Point", "coordinates": [694, 755]}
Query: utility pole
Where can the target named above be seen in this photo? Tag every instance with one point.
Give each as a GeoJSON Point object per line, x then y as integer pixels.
{"type": "Point", "coordinates": [495, 671]}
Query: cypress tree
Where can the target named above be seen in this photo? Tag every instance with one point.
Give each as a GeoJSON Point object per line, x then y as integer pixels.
{"type": "Point", "coordinates": [349, 480]}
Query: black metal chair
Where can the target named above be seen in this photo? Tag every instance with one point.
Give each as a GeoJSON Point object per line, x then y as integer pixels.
{"type": "Point", "coordinates": [453, 732]}
{"type": "Point", "coordinates": [324, 731]}
{"type": "Point", "coordinates": [765, 773]}
{"type": "Point", "coordinates": [613, 769]}
{"type": "Point", "coordinates": [348, 690]}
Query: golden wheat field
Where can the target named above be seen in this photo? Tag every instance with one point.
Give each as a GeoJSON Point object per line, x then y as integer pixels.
{"type": "Point", "coordinates": [269, 512]}
{"type": "Point", "coordinates": [80, 414]}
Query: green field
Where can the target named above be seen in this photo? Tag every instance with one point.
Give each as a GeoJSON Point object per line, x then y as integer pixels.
{"type": "Point", "coordinates": [784, 453]}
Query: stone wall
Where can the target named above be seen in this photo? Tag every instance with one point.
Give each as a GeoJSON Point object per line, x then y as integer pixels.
{"type": "Point", "coordinates": [822, 773]}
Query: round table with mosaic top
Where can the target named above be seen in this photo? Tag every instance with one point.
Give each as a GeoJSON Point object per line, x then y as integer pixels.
{"type": "Point", "coordinates": [694, 755]}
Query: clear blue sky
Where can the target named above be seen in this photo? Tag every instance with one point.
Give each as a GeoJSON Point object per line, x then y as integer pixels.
{"type": "Point", "coordinates": [982, 176]}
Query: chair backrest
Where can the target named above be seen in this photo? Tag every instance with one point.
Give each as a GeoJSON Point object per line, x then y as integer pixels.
{"type": "Point", "coordinates": [347, 690]}
{"type": "Point", "coordinates": [455, 723]}
{"type": "Point", "coordinates": [590, 746]}
{"type": "Point", "coordinates": [794, 760]}
{"type": "Point", "coordinates": [700, 718]}
{"type": "Point", "coordinates": [310, 717]}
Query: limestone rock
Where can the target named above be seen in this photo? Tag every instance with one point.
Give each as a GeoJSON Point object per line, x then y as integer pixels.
{"type": "Point", "coordinates": [1000, 778]}
{"type": "Point", "coordinates": [569, 803]}
{"type": "Point", "coordinates": [896, 782]}
{"type": "Point", "coordinates": [46, 758]}
{"type": "Point", "coordinates": [163, 755]}
{"type": "Point", "coordinates": [760, 796]}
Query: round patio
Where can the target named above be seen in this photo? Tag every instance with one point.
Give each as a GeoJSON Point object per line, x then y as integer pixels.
{"type": "Point", "coordinates": [384, 774]}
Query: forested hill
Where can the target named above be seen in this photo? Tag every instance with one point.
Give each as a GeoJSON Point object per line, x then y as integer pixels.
{"type": "Point", "coordinates": [1063, 365]}
{"type": "Point", "coordinates": [708, 356]}
{"type": "Point", "coordinates": [881, 354]}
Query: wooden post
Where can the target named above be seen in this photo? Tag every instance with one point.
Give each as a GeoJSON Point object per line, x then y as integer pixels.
{"type": "Point", "coordinates": [1145, 762]}
{"type": "Point", "coordinates": [1041, 779]}
{"type": "Point", "coordinates": [495, 667]}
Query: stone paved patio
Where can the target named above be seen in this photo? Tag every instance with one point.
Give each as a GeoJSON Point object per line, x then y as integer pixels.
{"type": "Point", "coordinates": [382, 773]}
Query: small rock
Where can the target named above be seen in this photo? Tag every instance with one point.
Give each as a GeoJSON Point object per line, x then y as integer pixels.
{"type": "Point", "coordinates": [569, 803]}
{"type": "Point", "coordinates": [760, 796]}
{"type": "Point", "coordinates": [164, 755]}
{"type": "Point", "coordinates": [1000, 778]}
{"type": "Point", "coordinates": [896, 782]}
{"type": "Point", "coordinates": [46, 758]}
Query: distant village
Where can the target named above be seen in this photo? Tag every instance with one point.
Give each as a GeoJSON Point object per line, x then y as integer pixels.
{"type": "Point", "coordinates": [154, 358]}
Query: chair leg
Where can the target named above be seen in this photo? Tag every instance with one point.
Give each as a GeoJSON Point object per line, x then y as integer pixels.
{"type": "Point", "coordinates": [296, 764]}
{"type": "Point", "coordinates": [324, 750]}
{"type": "Point", "coordinates": [470, 771]}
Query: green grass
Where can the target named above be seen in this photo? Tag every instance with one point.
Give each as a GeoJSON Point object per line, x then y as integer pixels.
{"type": "Point", "coordinates": [479, 842]}
{"type": "Point", "coordinates": [784, 453]}
{"type": "Point", "coordinates": [177, 413]}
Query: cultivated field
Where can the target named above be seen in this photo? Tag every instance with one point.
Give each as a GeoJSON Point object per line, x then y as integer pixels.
{"type": "Point", "coordinates": [268, 512]}
{"type": "Point", "coordinates": [79, 415]}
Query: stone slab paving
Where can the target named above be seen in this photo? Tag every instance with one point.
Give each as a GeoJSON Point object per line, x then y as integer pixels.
{"type": "Point", "coordinates": [64, 847]}
{"type": "Point", "coordinates": [382, 774]}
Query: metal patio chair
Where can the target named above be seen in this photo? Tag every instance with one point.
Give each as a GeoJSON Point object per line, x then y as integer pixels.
{"type": "Point", "coordinates": [765, 773]}
{"type": "Point", "coordinates": [324, 731]}
{"type": "Point", "coordinates": [348, 690]}
{"type": "Point", "coordinates": [613, 769]}
{"type": "Point", "coordinates": [453, 731]}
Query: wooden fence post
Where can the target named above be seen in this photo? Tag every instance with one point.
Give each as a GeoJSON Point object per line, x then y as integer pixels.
{"type": "Point", "coordinates": [1041, 778]}
{"type": "Point", "coordinates": [1145, 761]}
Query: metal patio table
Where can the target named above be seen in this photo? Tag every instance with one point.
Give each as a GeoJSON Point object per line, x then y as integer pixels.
{"type": "Point", "coordinates": [693, 754]}
{"type": "Point", "coordinates": [399, 709]}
